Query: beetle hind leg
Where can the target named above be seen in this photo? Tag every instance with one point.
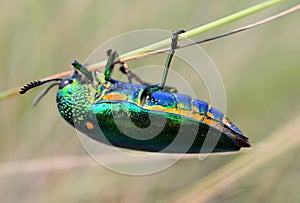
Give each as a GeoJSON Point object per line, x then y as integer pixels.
{"type": "Point", "coordinates": [162, 87]}
{"type": "Point", "coordinates": [124, 68]}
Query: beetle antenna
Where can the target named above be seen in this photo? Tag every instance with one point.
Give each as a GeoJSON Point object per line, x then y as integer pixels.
{"type": "Point", "coordinates": [42, 94]}
{"type": "Point", "coordinates": [34, 84]}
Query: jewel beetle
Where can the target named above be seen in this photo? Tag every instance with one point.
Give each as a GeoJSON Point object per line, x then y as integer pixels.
{"type": "Point", "coordinates": [159, 118]}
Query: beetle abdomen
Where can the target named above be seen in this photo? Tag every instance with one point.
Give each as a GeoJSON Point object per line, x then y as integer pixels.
{"type": "Point", "coordinates": [123, 102]}
{"type": "Point", "coordinates": [125, 124]}
{"type": "Point", "coordinates": [193, 108]}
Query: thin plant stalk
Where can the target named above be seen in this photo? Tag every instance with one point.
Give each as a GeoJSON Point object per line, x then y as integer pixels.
{"type": "Point", "coordinates": [204, 28]}
{"type": "Point", "coordinates": [196, 31]}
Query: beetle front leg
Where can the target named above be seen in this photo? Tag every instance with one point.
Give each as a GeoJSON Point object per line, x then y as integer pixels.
{"type": "Point", "coordinates": [112, 55]}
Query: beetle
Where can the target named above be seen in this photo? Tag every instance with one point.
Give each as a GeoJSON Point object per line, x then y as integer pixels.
{"type": "Point", "coordinates": [98, 105]}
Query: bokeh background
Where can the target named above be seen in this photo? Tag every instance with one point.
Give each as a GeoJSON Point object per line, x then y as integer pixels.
{"type": "Point", "coordinates": [41, 158]}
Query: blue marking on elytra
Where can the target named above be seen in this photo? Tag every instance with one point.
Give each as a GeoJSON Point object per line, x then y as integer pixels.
{"type": "Point", "coordinates": [218, 115]}
{"type": "Point", "coordinates": [164, 99]}
{"type": "Point", "coordinates": [185, 100]}
{"type": "Point", "coordinates": [235, 129]}
{"type": "Point", "coordinates": [201, 105]}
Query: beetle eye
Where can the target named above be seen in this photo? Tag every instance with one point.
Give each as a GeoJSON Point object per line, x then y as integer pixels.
{"type": "Point", "coordinates": [65, 82]}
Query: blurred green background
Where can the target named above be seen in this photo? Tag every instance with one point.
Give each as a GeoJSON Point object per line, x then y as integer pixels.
{"type": "Point", "coordinates": [259, 68]}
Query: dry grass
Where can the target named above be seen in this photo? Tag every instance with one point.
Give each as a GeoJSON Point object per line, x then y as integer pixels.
{"type": "Point", "coordinates": [42, 161]}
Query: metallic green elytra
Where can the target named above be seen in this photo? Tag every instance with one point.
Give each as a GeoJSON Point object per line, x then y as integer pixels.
{"type": "Point", "coordinates": [142, 117]}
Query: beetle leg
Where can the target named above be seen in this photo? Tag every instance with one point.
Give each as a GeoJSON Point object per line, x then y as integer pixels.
{"type": "Point", "coordinates": [112, 55]}
{"type": "Point", "coordinates": [83, 70]}
{"type": "Point", "coordinates": [124, 68]}
{"type": "Point", "coordinates": [162, 87]}
{"type": "Point", "coordinates": [170, 57]}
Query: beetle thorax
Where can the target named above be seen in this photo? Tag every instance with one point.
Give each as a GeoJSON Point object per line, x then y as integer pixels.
{"type": "Point", "coordinates": [74, 102]}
